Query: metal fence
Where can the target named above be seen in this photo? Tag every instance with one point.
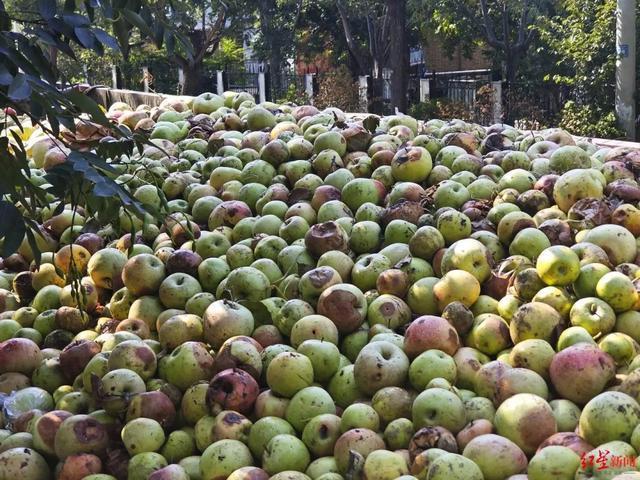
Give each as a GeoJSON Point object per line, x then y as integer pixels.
{"type": "Point", "coordinates": [288, 85]}
{"type": "Point", "coordinates": [534, 104]}
{"type": "Point", "coordinates": [530, 104]}
{"type": "Point", "coordinates": [459, 86]}
{"type": "Point", "coordinates": [240, 81]}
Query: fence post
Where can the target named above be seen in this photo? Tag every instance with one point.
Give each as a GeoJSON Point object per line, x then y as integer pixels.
{"type": "Point", "coordinates": [308, 86]}
{"type": "Point", "coordinates": [497, 101]}
{"type": "Point", "coordinates": [180, 80]}
{"type": "Point", "coordinates": [145, 79]}
{"type": "Point", "coordinates": [262, 91]}
{"type": "Point", "coordinates": [424, 89]}
{"type": "Point", "coordinates": [85, 72]}
{"type": "Point", "coordinates": [626, 66]}
{"type": "Point", "coordinates": [114, 76]}
{"type": "Point", "coordinates": [363, 90]}
{"type": "Point", "coordinates": [219, 82]}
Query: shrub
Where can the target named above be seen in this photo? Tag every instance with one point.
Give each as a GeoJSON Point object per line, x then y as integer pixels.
{"type": "Point", "coordinates": [589, 121]}
{"type": "Point", "coordinates": [442, 108]}
{"type": "Point", "coordinates": [338, 89]}
{"type": "Point", "coordinates": [295, 95]}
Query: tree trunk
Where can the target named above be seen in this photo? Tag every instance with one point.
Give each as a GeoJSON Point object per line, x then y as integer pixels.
{"type": "Point", "coordinates": [192, 78]}
{"type": "Point", "coordinates": [398, 53]}
{"type": "Point", "coordinates": [272, 36]}
{"type": "Point", "coordinates": [356, 55]}
{"type": "Point", "coordinates": [376, 104]}
{"type": "Point", "coordinates": [511, 66]}
{"type": "Point", "coordinates": [275, 75]}
{"type": "Point", "coordinates": [510, 73]}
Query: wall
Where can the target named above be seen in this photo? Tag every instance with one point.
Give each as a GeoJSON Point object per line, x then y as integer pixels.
{"type": "Point", "coordinates": [437, 58]}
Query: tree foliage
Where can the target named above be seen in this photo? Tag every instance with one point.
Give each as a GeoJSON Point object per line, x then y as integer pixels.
{"type": "Point", "coordinates": [506, 26]}
{"type": "Point", "coordinates": [29, 37]}
{"type": "Point", "coordinates": [202, 25]}
{"type": "Point", "coordinates": [581, 40]}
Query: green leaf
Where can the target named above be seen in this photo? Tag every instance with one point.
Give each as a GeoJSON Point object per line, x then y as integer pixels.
{"type": "Point", "coordinates": [87, 105]}
{"type": "Point", "coordinates": [371, 123]}
{"type": "Point", "coordinates": [137, 21]}
{"type": "Point", "coordinates": [5, 75]}
{"type": "Point", "coordinates": [12, 229]}
{"type": "Point", "coordinates": [85, 37]}
{"type": "Point", "coordinates": [19, 89]}
{"type": "Point", "coordinates": [37, 255]}
{"type": "Point", "coordinates": [47, 8]}
{"type": "Point", "coordinates": [76, 20]}
{"type": "Point", "coordinates": [106, 39]}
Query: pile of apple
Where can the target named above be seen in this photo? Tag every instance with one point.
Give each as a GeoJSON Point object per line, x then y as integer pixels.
{"type": "Point", "coordinates": [330, 298]}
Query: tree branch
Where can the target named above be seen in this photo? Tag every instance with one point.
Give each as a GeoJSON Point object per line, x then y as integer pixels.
{"type": "Point", "coordinates": [505, 28]}
{"type": "Point", "coordinates": [492, 40]}
{"type": "Point", "coordinates": [212, 35]}
{"type": "Point", "coordinates": [352, 45]}
{"type": "Point", "coordinates": [296, 17]}
{"type": "Point", "coordinates": [524, 20]}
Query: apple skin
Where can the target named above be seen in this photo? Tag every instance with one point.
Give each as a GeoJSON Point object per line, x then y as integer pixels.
{"type": "Point", "coordinates": [451, 194]}
{"type": "Point", "coordinates": [143, 274]}
{"type": "Point", "coordinates": [224, 319]}
{"type": "Point", "coordinates": [75, 356]}
{"type": "Point", "coordinates": [535, 320]}
{"type": "Point", "coordinates": [429, 365]}
{"type": "Point", "coordinates": [456, 285]}
{"type": "Point", "coordinates": [569, 157]}
{"type": "Point", "coordinates": [80, 434]}
{"type": "Point", "coordinates": [618, 291]}
{"type": "Point", "coordinates": [170, 472]}
{"type": "Point", "coordinates": [576, 184]}
{"type": "Point", "coordinates": [567, 439]}
{"type": "Point", "coordinates": [264, 430]}
{"type": "Point", "coordinates": [360, 191]}
{"type": "Point", "coordinates": [249, 473]}
{"type": "Point", "coordinates": [567, 414]}
{"type": "Point", "coordinates": [223, 457]}
{"type": "Point", "coordinates": [596, 367]}
{"type": "Point", "coordinates": [24, 462]}
{"type": "Point", "coordinates": [324, 237]}
{"type": "Point", "coordinates": [317, 280]}
{"type": "Point", "coordinates": [379, 365]}
{"type": "Point", "coordinates": [367, 269]}
{"type": "Point", "coordinates": [359, 442]}
{"type": "Point", "coordinates": [288, 373]}
{"type": "Point", "coordinates": [207, 103]}
{"type": "Point", "coordinates": [324, 356]}
{"type": "Point", "coordinates": [240, 352]}
{"type": "Point", "coordinates": [607, 417]}
{"type": "Point", "coordinates": [594, 315]}
{"type": "Point", "coordinates": [233, 389]}
{"type": "Point", "coordinates": [438, 407]}
{"type": "Point", "coordinates": [119, 386]}
{"type": "Point", "coordinates": [469, 255]}
{"type": "Point", "coordinates": [558, 265]}
{"type": "Point", "coordinates": [497, 457]}
{"type": "Point", "coordinates": [345, 305]}
{"type": "Point", "coordinates": [188, 364]}
{"type": "Point", "coordinates": [526, 420]}
{"type": "Point", "coordinates": [307, 404]}
{"type": "Point", "coordinates": [385, 465]}
{"type": "Point", "coordinates": [19, 355]}
{"type": "Point", "coordinates": [428, 332]}
{"type": "Point", "coordinates": [285, 452]}
{"type": "Point", "coordinates": [45, 429]}
{"type": "Point", "coordinates": [142, 435]}
{"type": "Point", "coordinates": [617, 241]}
